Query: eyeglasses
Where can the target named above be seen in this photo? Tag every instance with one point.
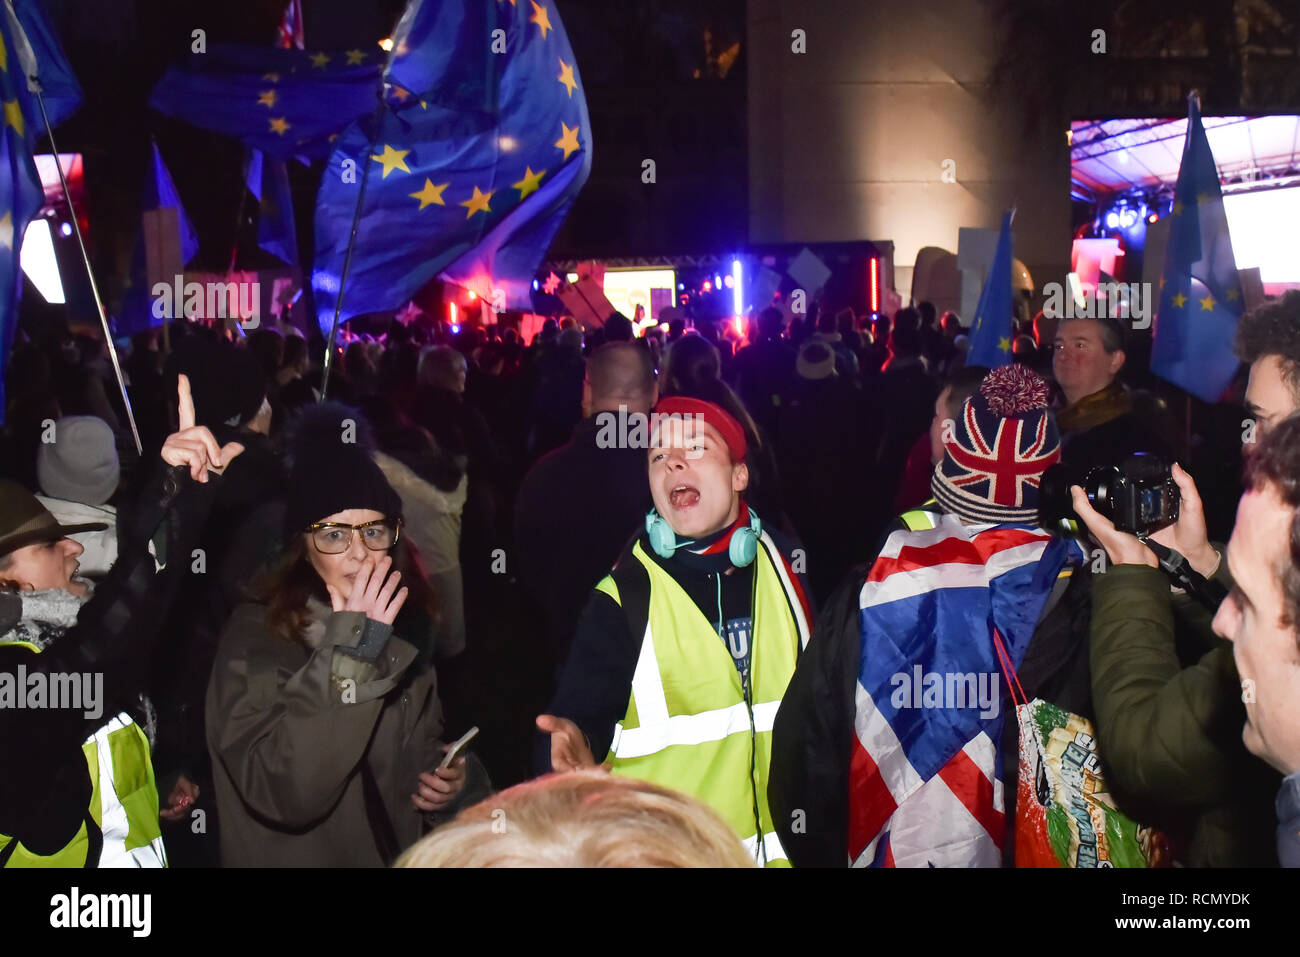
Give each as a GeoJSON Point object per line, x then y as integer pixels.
{"type": "Point", "coordinates": [334, 538]}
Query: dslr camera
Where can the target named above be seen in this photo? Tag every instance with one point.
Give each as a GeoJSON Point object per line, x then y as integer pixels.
{"type": "Point", "coordinates": [1139, 495]}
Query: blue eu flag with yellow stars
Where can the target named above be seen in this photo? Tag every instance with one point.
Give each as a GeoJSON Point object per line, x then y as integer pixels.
{"type": "Point", "coordinates": [267, 179]}
{"type": "Point", "coordinates": [990, 334]}
{"type": "Point", "coordinates": [282, 102]}
{"type": "Point", "coordinates": [21, 195]}
{"type": "Point", "coordinates": [1200, 292]}
{"type": "Point", "coordinates": [479, 151]}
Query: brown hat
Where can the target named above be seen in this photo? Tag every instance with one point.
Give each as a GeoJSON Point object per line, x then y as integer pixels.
{"type": "Point", "coordinates": [24, 520]}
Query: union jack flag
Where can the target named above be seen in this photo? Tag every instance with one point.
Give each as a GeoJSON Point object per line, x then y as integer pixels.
{"type": "Point", "coordinates": [289, 36]}
{"type": "Point", "coordinates": [925, 783]}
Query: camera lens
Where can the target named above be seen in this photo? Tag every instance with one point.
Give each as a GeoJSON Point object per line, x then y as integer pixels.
{"type": "Point", "coordinates": [1099, 486]}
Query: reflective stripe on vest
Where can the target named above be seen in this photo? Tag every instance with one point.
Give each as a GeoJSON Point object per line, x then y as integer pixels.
{"type": "Point", "coordinates": [129, 818]}
{"type": "Point", "coordinates": [688, 726]}
{"type": "Point", "coordinates": [123, 803]}
{"type": "Point", "coordinates": [919, 518]}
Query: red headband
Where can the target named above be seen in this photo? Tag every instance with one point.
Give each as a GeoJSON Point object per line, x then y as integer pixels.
{"type": "Point", "coordinates": [721, 420]}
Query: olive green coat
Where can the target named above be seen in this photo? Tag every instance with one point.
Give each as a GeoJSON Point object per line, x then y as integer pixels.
{"type": "Point", "coordinates": [1169, 712]}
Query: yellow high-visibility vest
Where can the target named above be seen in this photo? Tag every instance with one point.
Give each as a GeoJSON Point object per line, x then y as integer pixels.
{"type": "Point", "coordinates": [123, 804]}
{"type": "Point", "coordinates": [690, 725]}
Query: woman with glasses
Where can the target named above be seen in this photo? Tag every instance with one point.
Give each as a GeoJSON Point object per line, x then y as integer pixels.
{"type": "Point", "coordinates": [324, 731]}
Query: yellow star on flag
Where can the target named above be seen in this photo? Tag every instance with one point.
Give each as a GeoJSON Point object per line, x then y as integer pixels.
{"type": "Point", "coordinates": [1004, 344]}
{"type": "Point", "coordinates": [1178, 301]}
{"type": "Point", "coordinates": [392, 159]}
{"type": "Point", "coordinates": [1207, 303]}
{"type": "Point", "coordinates": [14, 115]}
{"type": "Point", "coordinates": [478, 203]}
{"type": "Point", "coordinates": [540, 17]}
{"type": "Point", "coordinates": [7, 231]}
{"type": "Point", "coordinates": [1232, 295]}
{"type": "Point", "coordinates": [279, 125]}
{"type": "Point", "coordinates": [4, 56]}
{"type": "Point", "coordinates": [430, 195]}
{"type": "Point", "coordinates": [1203, 197]}
{"type": "Point", "coordinates": [355, 57]}
{"type": "Point", "coordinates": [568, 140]}
{"type": "Point", "coordinates": [1178, 208]}
{"type": "Point", "coordinates": [319, 60]}
{"type": "Point", "coordinates": [512, 3]}
{"type": "Point", "coordinates": [400, 93]}
{"type": "Point", "coordinates": [566, 77]}
{"type": "Point", "coordinates": [267, 98]}
{"type": "Point", "coordinates": [271, 77]}
{"type": "Point", "coordinates": [529, 183]}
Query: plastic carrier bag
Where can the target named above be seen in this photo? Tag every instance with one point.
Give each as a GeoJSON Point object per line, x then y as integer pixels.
{"type": "Point", "coordinates": [1064, 817]}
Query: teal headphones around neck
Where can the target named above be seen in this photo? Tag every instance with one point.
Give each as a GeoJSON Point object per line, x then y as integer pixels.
{"type": "Point", "coordinates": [742, 550]}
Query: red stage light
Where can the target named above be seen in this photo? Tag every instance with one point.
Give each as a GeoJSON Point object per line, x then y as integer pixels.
{"type": "Point", "coordinates": [875, 285]}
{"type": "Point", "coordinates": [708, 286]}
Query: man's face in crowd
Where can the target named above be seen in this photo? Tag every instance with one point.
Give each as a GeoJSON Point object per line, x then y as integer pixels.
{"type": "Point", "coordinates": [1080, 361]}
{"type": "Point", "coordinates": [941, 414]}
{"type": "Point", "coordinates": [46, 565]}
{"type": "Point", "coordinates": [1265, 649]}
{"type": "Point", "coordinates": [695, 486]}
{"type": "Point", "coordinates": [1268, 397]}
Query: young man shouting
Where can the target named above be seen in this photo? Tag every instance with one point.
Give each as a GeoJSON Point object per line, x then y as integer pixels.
{"type": "Point", "coordinates": [684, 650]}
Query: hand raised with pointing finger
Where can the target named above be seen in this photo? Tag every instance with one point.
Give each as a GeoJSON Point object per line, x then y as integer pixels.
{"type": "Point", "coordinates": [193, 445]}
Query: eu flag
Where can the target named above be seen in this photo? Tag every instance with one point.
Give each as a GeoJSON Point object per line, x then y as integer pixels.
{"type": "Point", "coordinates": [1200, 293]}
{"type": "Point", "coordinates": [159, 193]}
{"type": "Point", "coordinates": [59, 84]}
{"type": "Point", "coordinates": [473, 162]}
{"type": "Point", "coordinates": [283, 102]}
{"type": "Point", "coordinates": [990, 334]}
{"type": "Point", "coordinates": [268, 180]}
{"type": "Point", "coordinates": [21, 196]}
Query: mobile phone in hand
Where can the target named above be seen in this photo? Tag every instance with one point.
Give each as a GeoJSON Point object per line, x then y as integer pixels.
{"type": "Point", "coordinates": [458, 746]}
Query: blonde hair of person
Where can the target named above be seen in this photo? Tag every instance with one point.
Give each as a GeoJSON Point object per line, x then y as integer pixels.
{"type": "Point", "coordinates": [582, 819]}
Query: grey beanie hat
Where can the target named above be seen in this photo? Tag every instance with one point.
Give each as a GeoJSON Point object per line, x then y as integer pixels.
{"type": "Point", "coordinates": [81, 464]}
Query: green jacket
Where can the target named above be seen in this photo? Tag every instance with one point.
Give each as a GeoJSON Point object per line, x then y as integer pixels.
{"type": "Point", "coordinates": [1169, 720]}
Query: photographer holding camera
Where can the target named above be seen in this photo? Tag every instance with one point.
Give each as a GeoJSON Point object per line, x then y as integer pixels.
{"type": "Point", "coordinates": [1166, 694]}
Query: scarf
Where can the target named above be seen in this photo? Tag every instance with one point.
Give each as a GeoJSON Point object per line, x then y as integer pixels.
{"type": "Point", "coordinates": [1096, 409]}
{"type": "Point", "coordinates": [44, 617]}
{"type": "Point", "coordinates": [711, 553]}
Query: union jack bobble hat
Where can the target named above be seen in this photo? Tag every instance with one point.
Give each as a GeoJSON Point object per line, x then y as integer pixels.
{"type": "Point", "coordinates": [997, 449]}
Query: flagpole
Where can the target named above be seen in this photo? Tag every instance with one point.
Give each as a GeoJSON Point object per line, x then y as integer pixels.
{"type": "Point", "coordinates": [347, 257]}
{"type": "Point", "coordinates": [34, 83]}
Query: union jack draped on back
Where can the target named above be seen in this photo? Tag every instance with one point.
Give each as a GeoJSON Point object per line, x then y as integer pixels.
{"type": "Point", "coordinates": [925, 775]}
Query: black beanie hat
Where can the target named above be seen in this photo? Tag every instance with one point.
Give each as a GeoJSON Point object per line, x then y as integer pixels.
{"type": "Point", "coordinates": [329, 450]}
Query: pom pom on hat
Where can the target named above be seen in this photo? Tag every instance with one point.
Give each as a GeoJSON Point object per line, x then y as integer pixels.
{"type": "Point", "coordinates": [1012, 390]}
